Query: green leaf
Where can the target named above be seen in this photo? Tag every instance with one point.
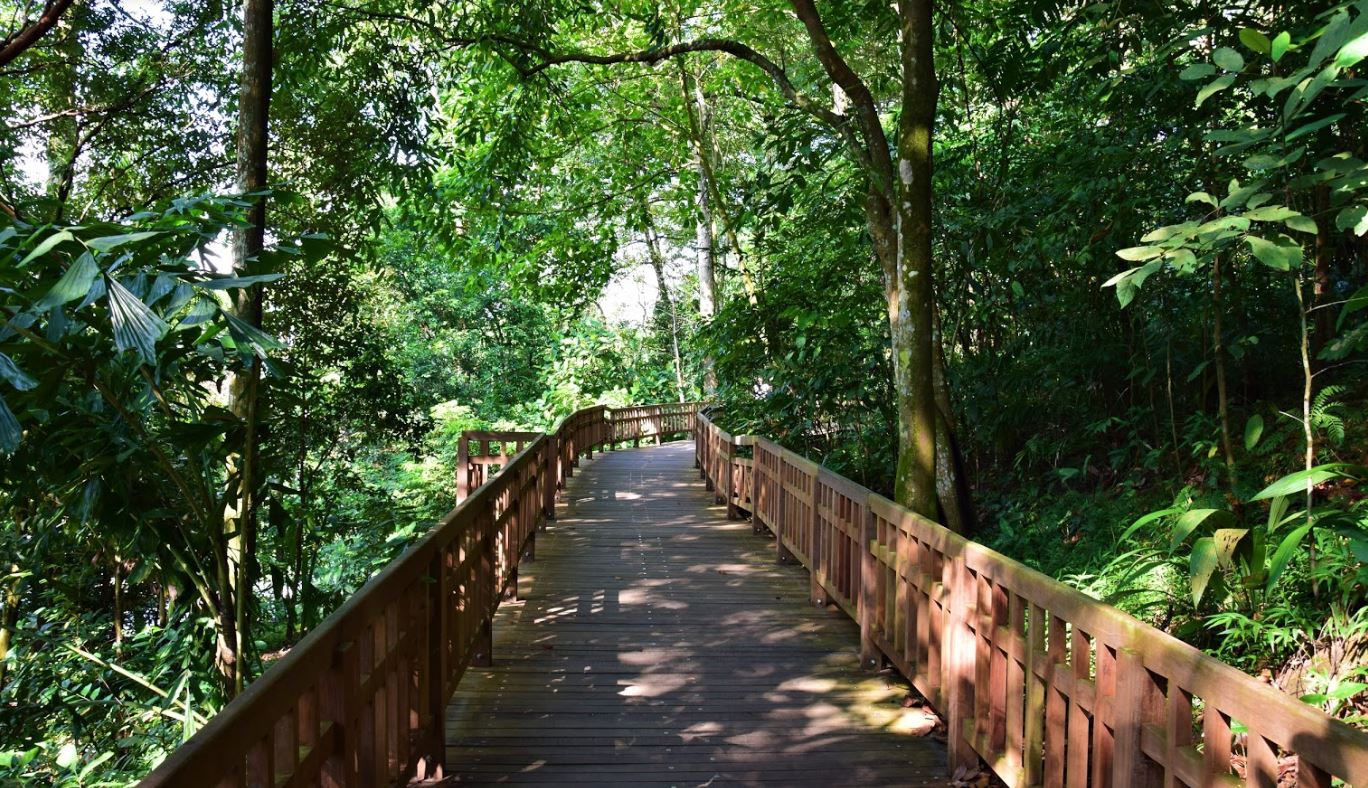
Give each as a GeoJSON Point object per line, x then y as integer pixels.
{"type": "Point", "coordinates": [1200, 197]}
{"type": "Point", "coordinates": [1253, 431]}
{"type": "Point", "coordinates": [1201, 566]}
{"type": "Point", "coordinates": [1297, 482]}
{"type": "Point", "coordinates": [1128, 282]}
{"type": "Point", "coordinates": [10, 431]}
{"type": "Point", "coordinates": [1302, 224]}
{"type": "Point", "coordinates": [1283, 555]}
{"type": "Point", "coordinates": [1256, 41]}
{"type": "Point", "coordinates": [1354, 51]}
{"type": "Point", "coordinates": [74, 284]}
{"type": "Point", "coordinates": [1276, 256]}
{"type": "Point", "coordinates": [1140, 253]}
{"type": "Point", "coordinates": [135, 326]}
{"type": "Point", "coordinates": [1270, 213]}
{"type": "Point", "coordinates": [1197, 71]}
{"type": "Point", "coordinates": [1147, 519]}
{"type": "Point", "coordinates": [1215, 86]}
{"type": "Point", "coordinates": [1331, 39]}
{"type": "Point", "coordinates": [1192, 518]}
{"type": "Point", "coordinates": [46, 246]}
{"type": "Point", "coordinates": [1227, 541]}
{"type": "Point", "coordinates": [1280, 45]}
{"type": "Point", "coordinates": [233, 282]}
{"type": "Point", "coordinates": [67, 755]}
{"type": "Point", "coordinates": [108, 242]}
{"type": "Point", "coordinates": [1315, 126]}
{"type": "Point", "coordinates": [15, 376]}
{"type": "Point", "coordinates": [1355, 216]}
{"type": "Point", "coordinates": [249, 339]}
{"type": "Point", "coordinates": [1182, 259]}
{"type": "Point", "coordinates": [1228, 59]}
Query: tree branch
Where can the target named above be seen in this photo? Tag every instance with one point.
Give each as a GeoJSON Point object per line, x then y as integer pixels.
{"type": "Point", "coordinates": [15, 45]}
{"type": "Point", "coordinates": [866, 109]}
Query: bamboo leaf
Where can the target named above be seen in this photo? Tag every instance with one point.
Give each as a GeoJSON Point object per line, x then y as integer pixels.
{"type": "Point", "coordinates": [1283, 555]}
{"type": "Point", "coordinates": [46, 246]}
{"type": "Point", "coordinates": [74, 284]}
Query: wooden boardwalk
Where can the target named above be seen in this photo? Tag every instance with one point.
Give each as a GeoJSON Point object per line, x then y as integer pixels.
{"type": "Point", "coordinates": [657, 643]}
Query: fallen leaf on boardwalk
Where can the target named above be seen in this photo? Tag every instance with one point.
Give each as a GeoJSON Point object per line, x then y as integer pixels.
{"type": "Point", "coordinates": [969, 778]}
{"type": "Point", "coordinates": [916, 722]}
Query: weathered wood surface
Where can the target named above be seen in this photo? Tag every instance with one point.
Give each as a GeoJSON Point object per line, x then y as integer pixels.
{"type": "Point", "coordinates": [658, 642]}
{"type": "Point", "coordinates": [1047, 686]}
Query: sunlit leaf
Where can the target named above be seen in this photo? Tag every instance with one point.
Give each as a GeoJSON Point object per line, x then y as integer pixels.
{"type": "Point", "coordinates": [1253, 431]}
{"type": "Point", "coordinates": [46, 246]}
{"type": "Point", "coordinates": [75, 283]}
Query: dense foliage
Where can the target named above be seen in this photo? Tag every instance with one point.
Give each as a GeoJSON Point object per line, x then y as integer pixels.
{"type": "Point", "coordinates": [1149, 249]}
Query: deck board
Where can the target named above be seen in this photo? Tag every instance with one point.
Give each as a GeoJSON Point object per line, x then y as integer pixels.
{"type": "Point", "coordinates": [657, 643]}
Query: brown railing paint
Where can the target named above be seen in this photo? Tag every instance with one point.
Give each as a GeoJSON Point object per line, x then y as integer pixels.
{"type": "Point", "coordinates": [1046, 685]}
{"type": "Point", "coordinates": [360, 701]}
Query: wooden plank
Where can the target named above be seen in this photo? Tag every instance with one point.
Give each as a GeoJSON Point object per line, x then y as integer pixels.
{"type": "Point", "coordinates": [656, 641]}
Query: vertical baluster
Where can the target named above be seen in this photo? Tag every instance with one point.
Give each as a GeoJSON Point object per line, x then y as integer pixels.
{"type": "Point", "coordinates": [1216, 743]}
{"type": "Point", "coordinates": [902, 562]}
{"type": "Point", "coordinates": [1015, 680]}
{"type": "Point", "coordinates": [339, 705]}
{"type": "Point", "coordinates": [958, 660]}
{"type": "Point", "coordinates": [1104, 714]}
{"type": "Point", "coordinates": [1056, 705]}
{"type": "Point", "coordinates": [1178, 733]}
{"type": "Point", "coordinates": [983, 658]}
{"type": "Point", "coordinates": [1261, 765]}
{"type": "Point", "coordinates": [1139, 702]}
{"type": "Point", "coordinates": [261, 761]}
{"type": "Point", "coordinates": [286, 741]}
{"type": "Point", "coordinates": [1080, 730]}
{"type": "Point", "coordinates": [1036, 687]}
{"type": "Point", "coordinates": [868, 582]}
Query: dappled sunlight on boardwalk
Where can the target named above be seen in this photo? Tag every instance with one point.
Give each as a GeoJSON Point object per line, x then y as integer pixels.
{"type": "Point", "coordinates": [658, 643]}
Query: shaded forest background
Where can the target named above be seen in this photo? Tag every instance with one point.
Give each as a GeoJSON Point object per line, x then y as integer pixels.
{"type": "Point", "coordinates": [1149, 250]}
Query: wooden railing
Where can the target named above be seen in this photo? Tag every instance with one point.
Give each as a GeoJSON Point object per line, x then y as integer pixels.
{"type": "Point", "coordinates": [360, 700]}
{"type": "Point", "coordinates": [1046, 685]}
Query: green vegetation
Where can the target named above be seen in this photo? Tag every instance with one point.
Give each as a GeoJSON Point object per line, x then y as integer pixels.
{"type": "Point", "coordinates": [1084, 280]}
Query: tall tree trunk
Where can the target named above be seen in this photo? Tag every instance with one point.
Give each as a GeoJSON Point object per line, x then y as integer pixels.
{"type": "Point", "coordinates": [253, 110]}
{"type": "Point", "coordinates": [1218, 354]}
{"type": "Point", "coordinates": [658, 266]}
{"type": "Point", "coordinates": [704, 243]}
{"type": "Point", "coordinates": [707, 278]}
{"type": "Point", "coordinates": [1320, 292]}
{"type": "Point", "coordinates": [952, 486]}
{"type": "Point", "coordinates": [911, 294]}
{"type": "Point", "coordinates": [9, 620]}
{"type": "Point", "coordinates": [1308, 434]}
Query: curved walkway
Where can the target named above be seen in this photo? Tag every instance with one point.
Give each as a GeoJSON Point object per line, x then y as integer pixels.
{"type": "Point", "coordinates": [657, 643]}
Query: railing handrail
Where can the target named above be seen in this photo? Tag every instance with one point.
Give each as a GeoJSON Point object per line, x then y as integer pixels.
{"type": "Point", "coordinates": [1133, 681]}
{"type": "Point", "coordinates": [307, 715]}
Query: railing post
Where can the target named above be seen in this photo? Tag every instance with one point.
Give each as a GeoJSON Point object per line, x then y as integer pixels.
{"type": "Point", "coordinates": [482, 651]}
{"type": "Point", "coordinates": [729, 482]}
{"type": "Point", "coordinates": [434, 749]}
{"type": "Point", "coordinates": [782, 554]}
{"type": "Point", "coordinates": [462, 469]}
{"type": "Point", "coordinates": [870, 657]}
{"type": "Point", "coordinates": [550, 476]}
{"type": "Point", "coordinates": [816, 573]}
